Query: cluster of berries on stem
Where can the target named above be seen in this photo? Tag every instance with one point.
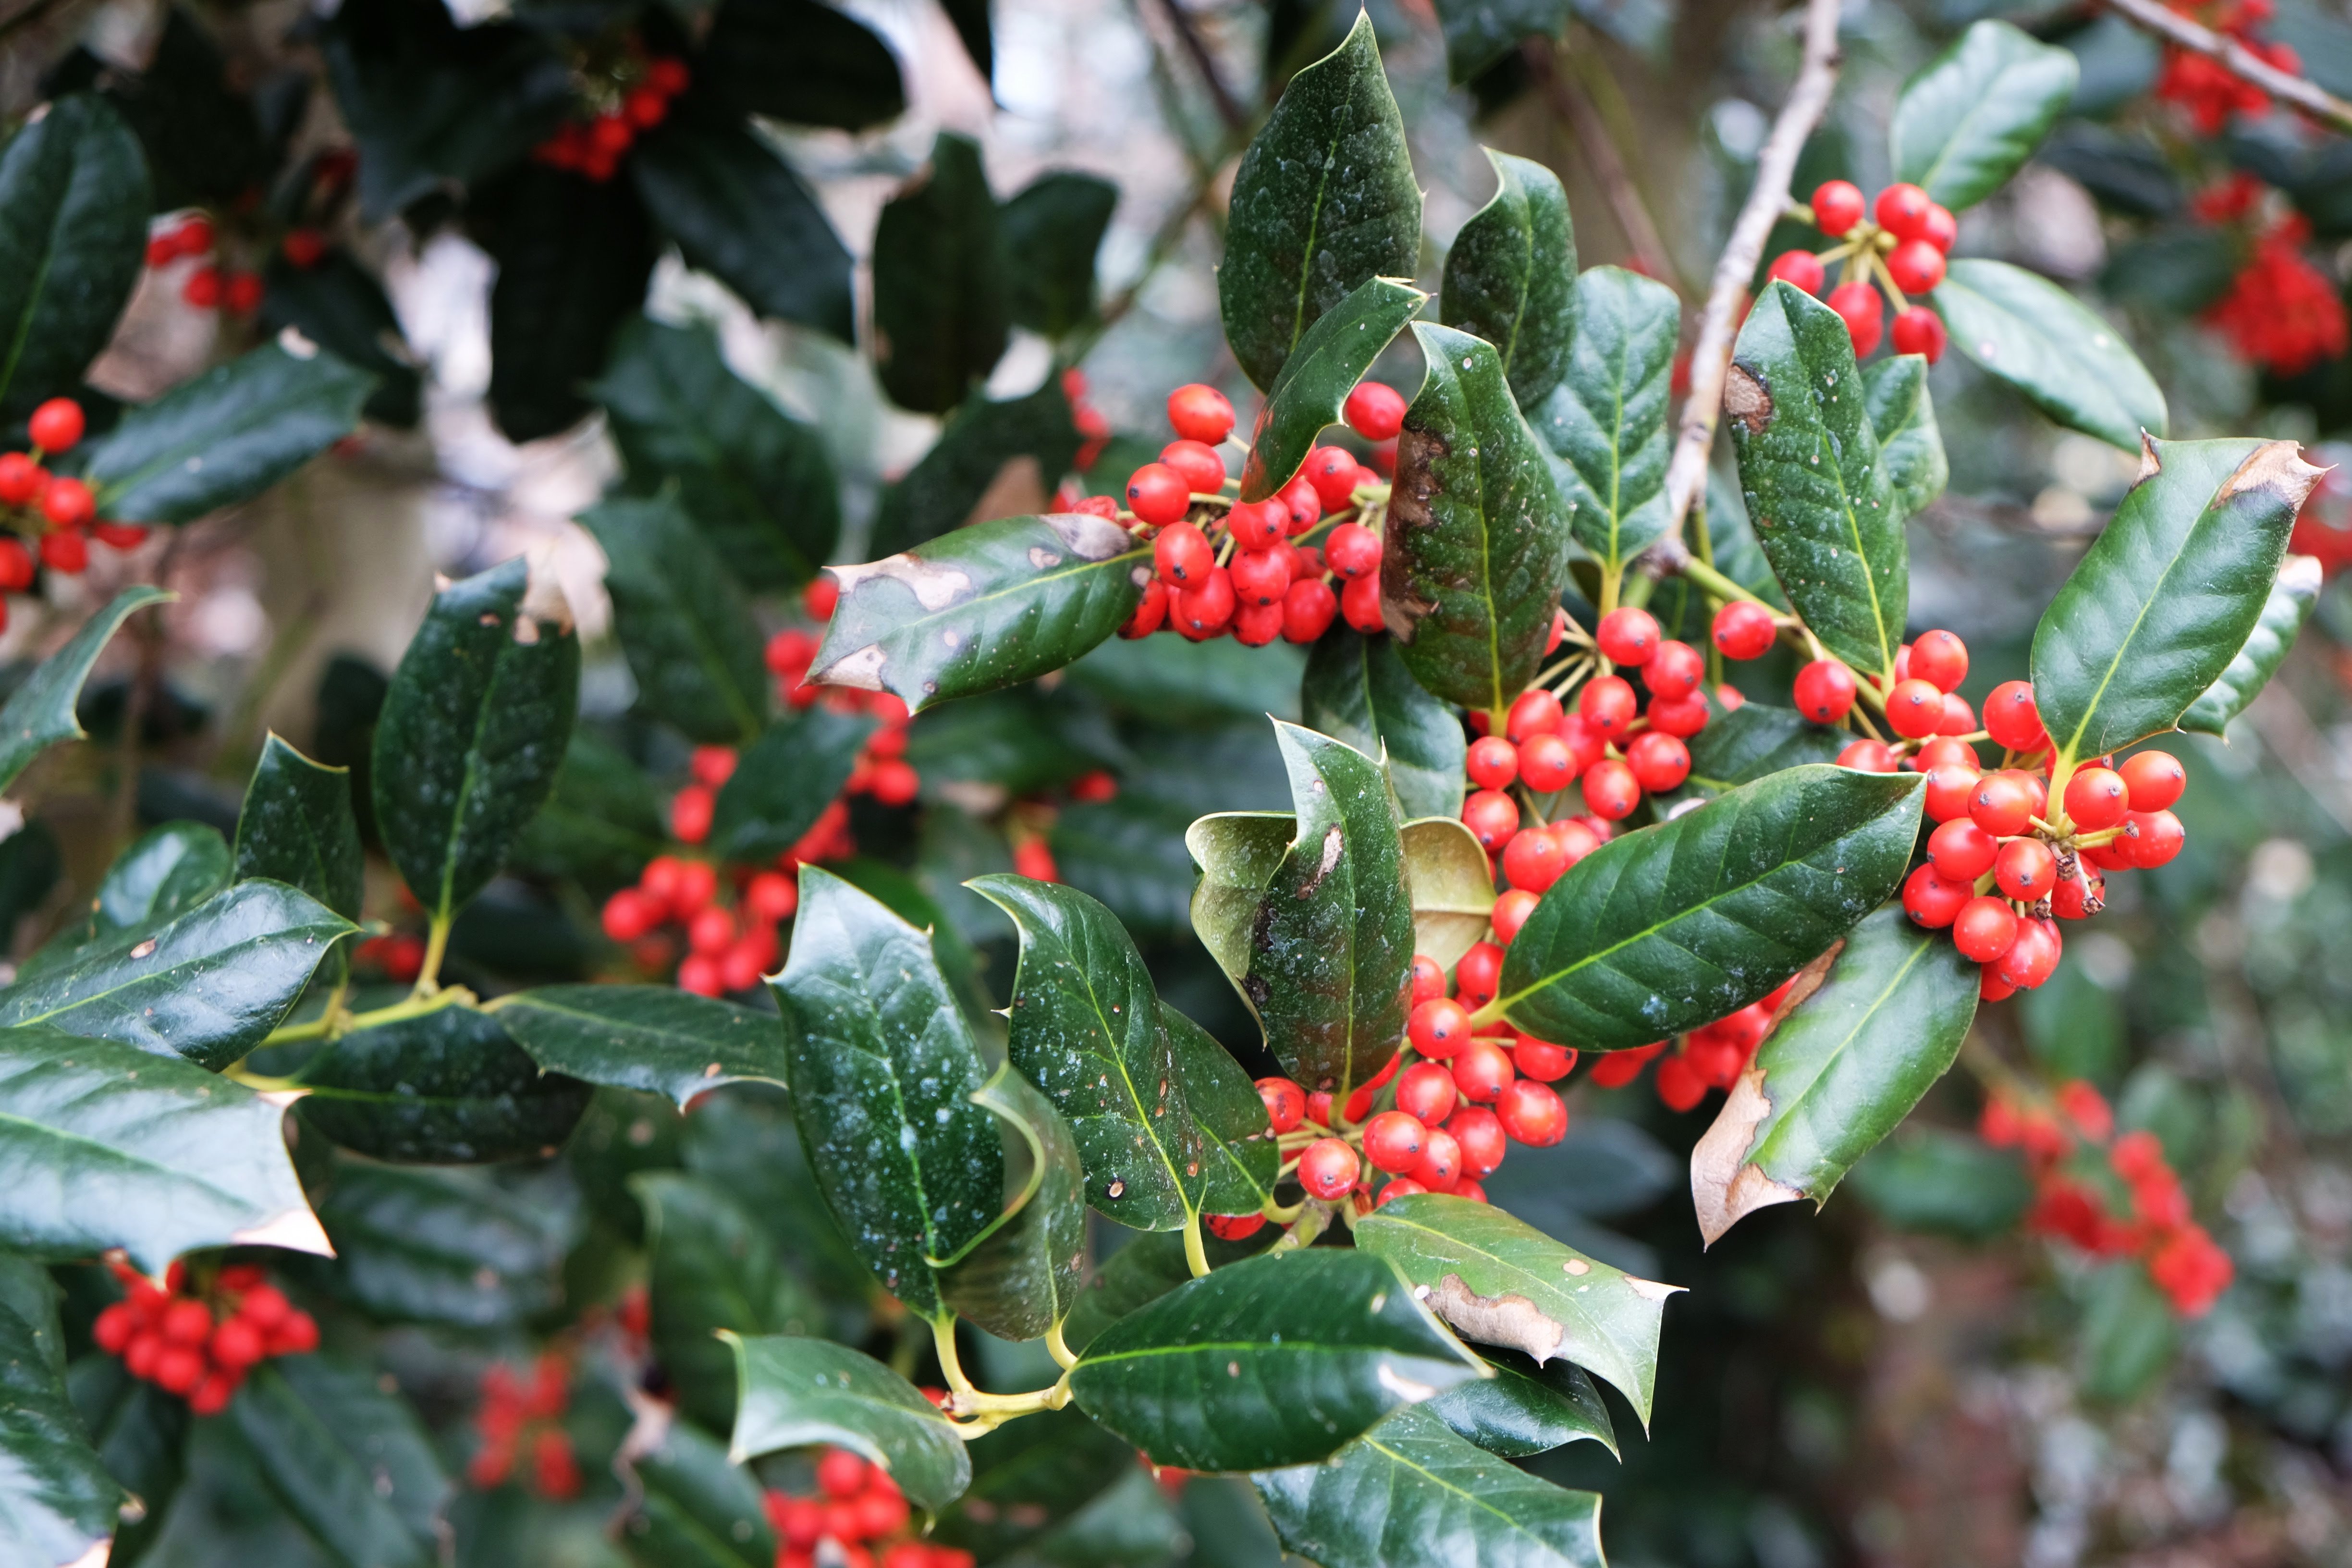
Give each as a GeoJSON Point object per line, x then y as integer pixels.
{"type": "Point", "coordinates": [2208, 92]}
{"type": "Point", "coordinates": [523, 1413]}
{"type": "Point", "coordinates": [210, 285]}
{"type": "Point", "coordinates": [855, 1519]}
{"type": "Point", "coordinates": [618, 102]}
{"type": "Point", "coordinates": [1897, 245]}
{"type": "Point", "coordinates": [2281, 311]}
{"type": "Point", "coordinates": [57, 511]}
{"type": "Point", "coordinates": [199, 1343]}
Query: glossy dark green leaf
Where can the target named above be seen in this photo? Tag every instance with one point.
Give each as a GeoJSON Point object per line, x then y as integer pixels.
{"type": "Point", "coordinates": [1143, 1269]}
{"type": "Point", "coordinates": [1606, 420]}
{"type": "Point", "coordinates": [1673, 926]}
{"type": "Point", "coordinates": [783, 781]}
{"type": "Point", "coordinates": [1242, 1161]}
{"type": "Point", "coordinates": [346, 1457]}
{"type": "Point", "coordinates": [1307, 395]}
{"type": "Point", "coordinates": [167, 871]}
{"type": "Point", "coordinates": [1527, 1408]}
{"type": "Point", "coordinates": [1511, 278]}
{"type": "Point", "coordinates": [1277, 1361]}
{"type": "Point", "coordinates": [74, 198]}
{"type": "Point", "coordinates": [1358, 690]}
{"type": "Point", "coordinates": [652, 1038]}
{"type": "Point", "coordinates": [683, 621]}
{"type": "Point", "coordinates": [602, 821]}
{"type": "Point", "coordinates": [992, 460]}
{"type": "Point", "coordinates": [798, 61]}
{"type": "Point", "coordinates": [1903, 416]}
{"type": "Point", "coordinates": [1132, 1525]}
{"type": "Point", "coordinates": [2026, 330]}
{"type": "Point", "coordinates": [61, 1501]}
{"type": "Point", "coordinates": [228, 434]}
{"type": "Point", "coordinates": [1019, 1277]}
{"type": "Point", "coordinates": [1323, 201]}
{"type": "Point", "coordinates": [1028, 1475]}
{"type": "Point", "coordinates": [697, 1509]}
{"type": "Point", "coordinates": [1755, 740]}
{"type": "Point", "coordinates": [1500, 1281]}
{"type": "Point", "coordinates": [943, 296]}
{"type": "Point", "coordinates": [715, 1266]}
{"type": "Point", "coordinates": [2169, 593]}
{"type": "Point", "coordinates": [882, 1067]}
{"type": "Point", "coordinates": [473, 731]}
{"type": "Point", "coordinates": [1087, 1029]}
{"type": "Point", "coordinates": [1819, 492]}
{"type": "Point", "coordinates": [2130, 1334]}
{"type": "Point", "coordinates": [800, 1392]}
{"type": "Point", "coordinates": [338, 304]}
{"type": "Point", "coordinates": [1839, 1073]}
{"type": "Point", "coordinates": [984, 607]}
{"type": "Point", "coordinates": [1412, 1490]}
{"type": "Point", "coordinates": [1238, 853]}
{"type": "Point", "coordinates": [297, 827]}
{"type": "Point", "coordinates": [206, 987]}
{"type": "Point", "coordinates": [738, 211]}
{"type": "Point", "coordinates": [1969, 119]}
{"type": "Point", "coordinates": [450, 1087]}
{"type": "Point", "coordinates": [469, 1248]}
{"type": "Point", "coordinates": [754, 481]}
{"type": "Point", "coordinates": [140, 1433]}
{"type": "Point", "coordinates": [40, 711]}
{"type": "Point", "coordinates": [1476, 532]}
{"type": "Point", "coordinates": [1479, 33]}
{"type": "Point", "coordinates": [1053, 227]}
{"type": "Point", "coordinates": [1452, 883]}
{"type": "Point", "coordinates": [1943, 1184]}
{"type": "Point", "coordinates": [2289, 605]}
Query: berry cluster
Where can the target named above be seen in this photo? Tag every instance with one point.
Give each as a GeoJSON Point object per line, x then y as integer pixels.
{"type": "Point", "coordinates": [618, 104]}
{"type": "Point", "coordinates": [399, 954]}
{"type": "Point", "coordinates": [199, 1344]}
{"type": "Point", "coordinates": [728, 946]}
{"type": "Point", "coordinates": [210, 286]}
{"type": "Point", "coordinates": [2281, 311]}
{"type": "Point", "coordinates": [1711, 1056]}
{"type": "Point", "coordinates": [1899, 247]}
{"type": "Point", "coordinates": [1225, 564]}
{"type": "Point", "coordinates": [519, 1412]}
{"type": "Point", "coordinates": [2208, 91]}
{"type": "Point", "coordinates": [57, 511]}
{"type": "Point", "coordinates": [856, 1511]}
{"type": "Point", "coordinates": [2073, 1184]}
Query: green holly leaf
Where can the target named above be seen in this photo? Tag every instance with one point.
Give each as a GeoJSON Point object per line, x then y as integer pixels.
{"type": "Point", "coordinates": [2169, 593]}
{"type": "Point", "coordinates": [338, 304]}
{"type": "Point", "coordinates": [1527, 1408]}
{"type": "Point", "coordinates": [656, 1038]}
{"type": "Point", "coordinates": [207, 985]}
{"type": "Point", "coordinates": [683, 621]}
{"type": "Point", "coordinates": [796, 1393]}
{"type": "Point", "coordinates": [992, 460]}
{"type": "Point", "coordinates": [986, 607]}
{"type": "Point", "coordinates": [1476, 533]}
{"type": "Point", "coordinates": [1358, 690]}
{"type": "Point", "coordinates": [715, 1264]}
{"type": "Point", "coordinates": [754, 481]}
{"type": "Point", "coordinates": [1053, 227]}
{"type": "Point", "coordinates": [1313, 385]}
{"type": "Point", "coordinates": [1277, 1361]}
{"type": "Point", "coordinates": [1903, 416]}
{"type": "Point", "coordinates": [2069, 363]}
{"type": "Point", "coordinates": [1414, 1491]}
{"type": "Point", "coordinates": [473, 731]}
{"type": "Point", "coordinates": [40, 711]}
{"type": "Point", "coordinates": [1242, 1161]}
{"type": "Point", "coordinates": [943, 299]}
{"type": "Point", "coordinates": [450, 1087]}
{"type": "Point", "coordinates": [469, 1248]}
{"type": "Point", "coordinates": [1969, 119]}
{"type": "Point", "coordinates": [1146, 1268]}
{"type": "Point", "coordinates": [1479, 33]}
{"type": "Point", "coordinates": [1452, 883]}
{"type": "Point", "coordinates": [783, 783]}
{"type": "Point", "coordinates": [166, 872]}
{"type": "Point", "coordinates": [1028, 1475]}
{"type": "Point", "coordinates": [1511, 278]}
{"type": "Point", "coordinates": [1500, 1281]}
{"type": "Point", "coordinates": [140, 1434]}
{"type": "Point", "coordinates": [1238, 853]}
{"type": "Point", "coordinates": [1323, 201]}
{"type": "Point", "coordinates": [1820, 494]}
{"type": "Point", "coordinates": [1676, 925]}
{"type": "Point", "coordinates": [297, 827]}
{"type": "Point", "coordinates": [74, 198]}
{"type": "Point", "coordinates": [602, 821]}
{"type": "Point", "coordinates": [798, 61]}
{"type": "Point", "coordinates": [61, 1501]}
{"type": "Point", "coordinates": [1606, 419]}
{"type": "Point", "coordinates": [1943, 1184]}
{"type": "Point", "coordinates": [738, 211]}
{"type": "Point", "coordinates": [883, 1068]}
{"type": "Point", "coordinates": [1019, 1277]}
{"type": "Point", "coordinates": [1839, 1072]}
{"type": "Point", "coordinates": [2289, 605]}
{"type": "Point", "coordinates": [346, 1456]}
{"type": "Point", "coordinates": [697, 1505]}
{"type": "Point", "coordinates": [1755, 739]}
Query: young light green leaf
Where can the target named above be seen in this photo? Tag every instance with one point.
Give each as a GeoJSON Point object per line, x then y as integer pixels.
{"type": "Point", "coordinates": [984, 607]}
{"type": "Point", "coordinates": [1331, 357]}
{"type": "Point", "coordinates": [1511, 278]}
{"type": "Point", "coordinates": [1676, 925]}
{"type": "Point", "coordinates": [994, 459]}
{"type": "Point", "coordinates": [74, 199]}
{"type": "Point", "coordinates": [1500, 1281]}
{"type": "Point", "coordinates": [1606, 420]}
{"type": "Point", "coordinates": [714, 1265]}
{"type": "Point", "coordinates": [1527, 1408]}
{"type": "Point", "coordinates": [1053, 226]}
{"type": "Point", "coordinates": [1019, 1279]}
{"type": "Point", "coordinates": [473, 731]}
{"type": "Point", "coordinates": [783, 781]}
{"type": "Point", "coordinates": [144, 1153]}
{"type": "Point", "coordinates": [1358, 690]}
{"type": "Point", "coordinates": [297, 827]}
{"type": "Point", "coordinates": [450, 1087]}
{"type": "Point", "coordinates": [2284, 613]}
{"type": "Point", "coordinates": [1277, 1361]}
{"type": "Point", "coordinates": [1816, 484]}
{"type": "Point", "coordinates": [1323, 201]}
{"type": "Point", "coordinates": [796, 1393]}
{"type": "Point", "coordinates": [1909, 442]}
{"type": "Point", "coordinates": [1838, 1073]}
{"type": "Point", "coordinates": [60, 1501]}
{"type": "Point", "coordinates": [683, 622]}
{"type": "Point", "coordinates": [1969, 119]}
{"type": "Point", "coordinates": [1238, 853]}
{"type": "Point", "coordinates": [1477, 535]}
{"type": "Point", "coordinates": [2026, 330]}
{"type": "Point", "coordinates": [942, 305]}
{"type": "Point", "coordinates": [656, 1038]}
{"type": "Point", "coordinates": [346, 1456]}
{"type": "Point", "coordinates": [480, 1248]}
{"type": "Point", "coordinates": [1452, 887]}
{"type": "Point", "coordinates": [40, 711]}
{"type": "Point", "coordinates": [2166, 597]}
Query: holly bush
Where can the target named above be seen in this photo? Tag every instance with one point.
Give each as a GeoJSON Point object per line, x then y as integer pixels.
{"type": "Point", "coordinates": [847, 1101]}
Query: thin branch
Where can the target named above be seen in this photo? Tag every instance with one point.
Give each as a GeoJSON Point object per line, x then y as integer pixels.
{"type": "Point", "coordinates": [1229, 109]}
{"type": "Point", "coordinates": [1592, 139]}
{"type": "Point", "coordinates": [2238, 60]}
{"type": "Point", "coordinates": [1775, 167]}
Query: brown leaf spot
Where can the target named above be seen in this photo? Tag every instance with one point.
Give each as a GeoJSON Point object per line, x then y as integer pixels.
{"type": "Point", "coordinates": [1808, 981]}
{"type": "Point", "coordinates": [1510, 1321]}
{"type": "Point", "coordinates": [1410, 509]}
{"type": "Point", "coordinates": [1725, 1188]}
{"type": "Point", "coordinates": [1334, 842]}
{"type": "Point", "coordinates": [1746, 400]}
{"type": "Point", "coordinates": [2278, 468]}
{"type": "Point", "coordinates": [2150, 465]}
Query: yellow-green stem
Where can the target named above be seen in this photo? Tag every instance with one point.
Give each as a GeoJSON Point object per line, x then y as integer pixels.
{"type": "Point", "coordinates": [436, 947]}
{"type": "Point", "coordinates": [1196, 1252]}
{"type": "Point", "coordinates": [1716, 583]}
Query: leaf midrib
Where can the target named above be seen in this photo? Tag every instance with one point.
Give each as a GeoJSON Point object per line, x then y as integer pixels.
{"type": "Point", "coordinates": [1433, 1478]}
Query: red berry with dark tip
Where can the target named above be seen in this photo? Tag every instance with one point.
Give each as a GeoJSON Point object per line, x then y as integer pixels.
{"type": "Point", "coordinates": [1628, 635]}
{"type": "Point", "coordinates": [1286, 1102]}
{"type": "Point", "coordinates": [1612, 790]}
{"type": "Point", "coordinates": [1902, 210]}
{"type": "Point", "coordinates": [1675, 671]}
{"type": "Point", "coordinates": [1532, 1113]}
{"type": "Point", "coordinates": [1546, 763]}
{"type": "Point", "coordinates": [1660, 763]}
{"type": "Point", "coordinates": [1984, 927]}
{"type": "Point", "coordinates": [1359, 605]}
{"type": "Point", "coordinates": [1917, 267]}
{"type": "Point", "coordinates": [1438, 1027]}
{"type": "Point", "coordinates": [1534, 861]}
{"type": "Point", "coordinates": [1482, 1071]}
{"type": "Point", "coordinates": [1200, 413]}
{"type": "Point", "coordinates": [1744, 630]}
{"type": "Point", "coordinates": [1920, 331]}
{"type": "Point", "coordinates": [1181, 555]}
{"type": "Point", "coordinates": [2011, 718]}
{"type": "Point", "coordinates": [1493, 764]}
{"type": "Point", "coordinates": [1837, 207]}
{"type": "Point", "coordinates": [1425, 1090]}
{"type": "Point", "coordinates": [1328, 1168]}
{"type": "Point", "coordinates": [1352, 551]}
{"type": "Point", "coordinates": [1392, 1141]}
{"type": "Point", "coordinates": [1332, 471]}
{"type": "Point", "coordinates": [1493, 816]}
{"type": "Point", "coordinates": [2153, 778]}
{"type": "Point", "coordinates": [1158, 494]}
{"type": "Point", "coordinates": [1933, 900]}
{"type": "Point", "coordinates": [1374, 411]}
{"type": "Point", "coordinates": [1607, 704]}
{"type": "Point", "coordinates": [1824, 690]}
{"type": "Point", "coordinates": [2096, 798]}
{"type": "Point", "coordinates": [2026, 869]}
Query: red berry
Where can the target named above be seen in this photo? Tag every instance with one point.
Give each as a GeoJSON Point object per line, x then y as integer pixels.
{"type": "Point", "coordinates": [1392, 1141]}
{"type": "Point", "coordinates": [1476, 972]}
{"type": "Point", "coordinates": [1441, 1156]}
{"type": "Point", "coordinates": [2156, 837]}
{"type": "Point", "coordinates": [1607, 703]}
{"type": "Point", "coordinates": [178, 1369]}
{"type": "Point", "coordinates": [1359, 605]}
{"type": "Point", "coordinates": [116, 1324]}
{"type": "Point", "coordinates": [1196, 463]}
{"type": "Point", "coordinates": [2026, 869]}
{"type": "Point", "coordinates": [1286, 1102]}
{"type": "Point", "coordinates": [1257, 525]}
{"type": "Point", "coordinates": [1438, 1027]}
{"type": "Point", "coordinates": [1332, 471]}
{"type": "Point", "coordinates": [1920, 331]}
{"type": "Point", "coordinates": [1915, 709]}
{"type": "Point", "coordinates": [2155, 779]}
{"type": "Point", "coordinates": [1150, 610]}
{"type": "Point", "coordinates": [1428, 979]}
{"type": "Point", "coordinates": [1374, 411]}
{"type": "Point", "coordinates": [1744, 630]}
{"type": "Point", "coordinates": [628, 915]}
{"type": "Point", "coordinates": [1612, 790]}
{"type": "Point", "coordinates": [1536, 712]}
{"type": "Point", "coordinates": [1824, 690]}
{"type": "Point", "coordinates": [1234, 1226]}
{"type": "Point", "coordinates": [1303, 506]}
{"type": "Point", "coordinates": [1902, 210]}
{"type": "Point", "coordinates": [1680, 1084]}
{"type": "Point", "coordinates": [242, 293]}
{"type": "Point", "coordinates": [1493, 816]}
{"type": "Point", "coordinates": [195, 237]}
{"type": "Point", "coordinates": [1660, 763]}
{"type": "Point", "coordinates": [1546, 763]}
{"type": "Point", "coordinates": [1933, 900]}
{"type": "Point", "coordinates": [1628, 635]}
{"type": "Point", "coordinates": [1033, 858]}
{"type": "Point", "coordinates": [187, 1322]}
{"type": "Point", "coordinates": [1542, 1061]}
{"type": "Point", "coordinates": [1531, 1113]}
{"type": "Point", "coordinates": [2080, 896]}
{"type": "Point", "coordinates": [1261, 576]}
{"type": "Point", "coordinates": [2002, 804]}
{"type": "Point", "coordinates": [1308, 608]}
{"type": "Point", "coordinates": [822, 595]}
{"type": "Point", "coordinates": [1181, 555]}
{"type": "Point", "coordinates": [1482, 1071]}
{"type": "Point", "coordinates": [1837, 207]}
{"type": "Point", "coordinates": [1479, 1132]}
{"type": "Point", "coordinates": [2011, 718]}
{"type": "Point", "coordinates": [1800, 268]}
{"type": "Point", "coordinates": [1200, 413]}
{"type": "Point", "coordinates": [1510, 912]}
{"type": "Point", "coordinates": [1401, 1187]}
{"type": "Point", "coordinates": [1984, 927]}
{"type": "Point", "coordinates": [841, 1474]}
{"type": "Point", "coordinates": [1917, 267]}
{"type": "Point", "coordinates": [1961, 850]}
{"type": "Point", "coordinates": [1939, 227]}
{"type": "Point", "coordinates": [21, 479]}
{"type": "Point", "coordinates": [68, 503]}
{"type": "Point", "coordinates": [1328, 1168]}
{"type": "Point", "coordinates": [1857, 304]}
{"type": "Point", "coordinates": [1942, 751]}
{"type": "Point", "coordinates": [696, 884]}
{"type": "Point", "coordinates": [1675, 671]}
{"type": "Point", "coordinates": [238, 1345]}
{"type": "Point", "coordinates": [1939, 658]}
{"type": "Point", "coordinates": [296, 1334]}
{"type": "Point", "coordinates": [202, 288]}
{"type": "Point", "coordinates": [55, 424]}
{"type": "Point", "coordinates": [1493, 762]}
{"type": "Point", "coordinates": [1204, 610]}
{"type": "Point", "coordinates": [1352, 551]}
{"type": "Point", "coordinates": [1681, 717]}
{"type": "Point", "coordinates": [1867, 756]}
{"type": "Point", "coordinates": [1425, 1091]}
{"type": "Point", "coordinates": [2032, 957]}
{"type": "Point", "coordinates": [712, 931]}
{"type": "Point", "coordinates": [265, 1307]}
{"type": "Point", "coordinates": [1950, 789]}
{"type": "Point", "coordinates": [1534, 859]}
{"type": "Point", "coordinates": [1158, 494]}
{"type": "Point", "coordinates": [690, 811]}
{"type": "Point", "coordinates": [2097, 797]}
{"type": "Point", "coordinates": [1576, 839]}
